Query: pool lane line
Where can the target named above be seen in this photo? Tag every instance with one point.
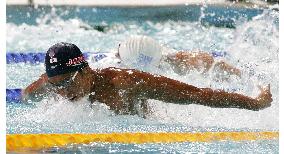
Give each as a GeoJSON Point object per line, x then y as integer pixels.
{"type": "Point", "coordinates": [39, 57]}
{"type": "Point", "coordinates": [18, 142]}
{"type": "Point", "coordinates": [13, 95]}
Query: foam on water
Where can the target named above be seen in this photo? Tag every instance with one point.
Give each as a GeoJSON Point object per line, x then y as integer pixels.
{"type": "Point", "coordinates": [252, 46]}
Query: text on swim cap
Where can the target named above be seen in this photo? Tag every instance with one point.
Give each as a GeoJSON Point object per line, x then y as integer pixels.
{"type": "Point", "coordinates": [143, 59]}
{"type": "Point", "coordinates": [75, 61]}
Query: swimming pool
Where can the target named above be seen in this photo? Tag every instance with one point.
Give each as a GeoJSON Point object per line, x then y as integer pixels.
{"type": "Point", "coordinates": [249, 36]}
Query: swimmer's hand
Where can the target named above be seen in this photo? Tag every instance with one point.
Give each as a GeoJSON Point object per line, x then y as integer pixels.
{"type": "Point", "coordinates": [264, 99]}
{"type": "Point", "coordinates": [35, 96]}
{"type": "Point", "coordinates": [24, 96]}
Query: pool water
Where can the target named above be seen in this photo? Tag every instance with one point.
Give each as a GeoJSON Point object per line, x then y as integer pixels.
{"type": "Point", "coordinates": [249, 36]}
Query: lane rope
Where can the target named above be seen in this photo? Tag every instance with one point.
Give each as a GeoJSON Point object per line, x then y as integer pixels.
{"type": "Point", "coordinates": [16, 142]}
{"type": "Point", "coordinates": [13, 95]}
{"type": "Point", "coordinates": [39, 57]}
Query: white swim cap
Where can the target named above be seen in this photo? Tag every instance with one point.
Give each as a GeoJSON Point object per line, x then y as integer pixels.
{"type": "Point", "coordinates": [140, 51]}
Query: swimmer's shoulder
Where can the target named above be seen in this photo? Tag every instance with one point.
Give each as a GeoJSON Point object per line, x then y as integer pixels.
{"type": "Point", "coordinates": [106, 74]}
{"type": "Point", "coordinates": [114, 72]}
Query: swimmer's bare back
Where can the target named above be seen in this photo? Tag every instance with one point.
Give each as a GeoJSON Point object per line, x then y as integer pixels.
{"type": "Point", "coordinates": [119, 87]}
{"type": "Point", "coordinates": [183, 61]}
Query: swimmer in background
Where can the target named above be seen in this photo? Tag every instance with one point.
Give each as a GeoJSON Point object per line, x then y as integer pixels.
{"type": "Point", "coordinates": [69, 75]}
{"type": "Point", "coordinates": [144, 51]}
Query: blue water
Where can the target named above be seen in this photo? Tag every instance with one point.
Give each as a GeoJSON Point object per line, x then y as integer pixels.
{"type": "Point", "coordinates": [109, 15]}
{"type": "Point", "coordinates": [185, 147]}
{"type": "Point", "coordinates": [248, 35]}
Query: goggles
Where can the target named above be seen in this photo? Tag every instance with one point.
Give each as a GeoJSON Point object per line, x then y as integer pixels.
{"type": "Point", "coordinates": [64, 83]}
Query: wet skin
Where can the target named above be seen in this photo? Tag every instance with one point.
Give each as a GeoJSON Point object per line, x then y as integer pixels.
{"type": "Point", "coordinates": [140, 85]}
{"type": "Point", "coordinates": [184, 61]}
{"type": "Point", "coordinates": [121, 88]}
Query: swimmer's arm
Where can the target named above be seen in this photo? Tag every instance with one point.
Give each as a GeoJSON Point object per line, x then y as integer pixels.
{"type": "Point", "coordinates": [183, 61]}
{"type": "Point", "coordinates": [36, 90]}
{"type": "Point", "coordinates": [169, 90]}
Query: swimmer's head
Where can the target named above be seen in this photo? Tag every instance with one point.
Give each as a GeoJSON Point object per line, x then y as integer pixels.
{"type": "Point", "coordinates": [140, 51]}
{"type": "Point", "coordinates": [63, 58]}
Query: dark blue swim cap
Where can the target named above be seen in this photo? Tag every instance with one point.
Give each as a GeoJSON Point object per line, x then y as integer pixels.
{"type": "Point", "coordinates": [63, 58]}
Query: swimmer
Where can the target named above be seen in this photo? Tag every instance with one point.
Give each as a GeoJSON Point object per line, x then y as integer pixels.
{"type": "Point", "coordinates": [144, 51]}
{"type": "Point", "coordinates": [69, 75]}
